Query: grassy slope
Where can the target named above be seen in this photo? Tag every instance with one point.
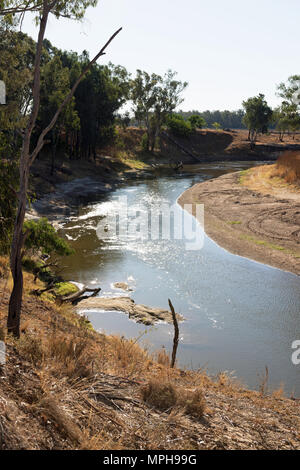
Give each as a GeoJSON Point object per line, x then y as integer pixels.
{"type": "Point", "coordinates": [64, 386]}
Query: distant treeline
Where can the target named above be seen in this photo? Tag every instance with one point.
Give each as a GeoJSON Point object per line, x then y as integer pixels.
{"type": "Point", "coordinates": [227, 119]}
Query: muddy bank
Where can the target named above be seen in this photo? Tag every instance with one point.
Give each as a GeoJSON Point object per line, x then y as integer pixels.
{"type": "Point", "coordinates": [139, 313]}
{"type": "Point", "coordinates": [259, 226]}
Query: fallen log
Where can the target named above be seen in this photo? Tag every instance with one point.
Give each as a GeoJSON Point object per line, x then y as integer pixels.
{"type": "Point", "coordinates": [78, 296]}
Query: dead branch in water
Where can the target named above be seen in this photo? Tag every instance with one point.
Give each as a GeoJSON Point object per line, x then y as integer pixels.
{"type": "Point", "coordinates": [176, 333]}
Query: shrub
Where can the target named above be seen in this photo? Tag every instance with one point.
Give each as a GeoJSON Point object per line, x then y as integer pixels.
{"type": "Point", "coordinates": [217, 126]}
{"type": "Point", "coordinates": [288, 167]}
{"type": "Point", "coordinates": [166, 396]}
{"type": "Point", "coordinates": [43, 236]}
{"type": "Point", "coordinates": [30, 348]}
{"type": "Point", "coordinates": [160, 395]}
{"type": "Point", "coordinates": [193, 403]}
{"type": "Point", "coordinates": [178, 126]}
{"type": "Point", "coordinates": [145, 142]}
{"type": "Point", "coordinates": [197, 122]}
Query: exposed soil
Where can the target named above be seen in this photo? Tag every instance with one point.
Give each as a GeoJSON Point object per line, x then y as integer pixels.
{"type": "Point", "coordinates": [261, 226]}
{"type": "Point", "coordinates": [126, 157]}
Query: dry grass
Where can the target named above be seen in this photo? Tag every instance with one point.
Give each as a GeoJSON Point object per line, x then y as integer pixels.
{"type": "Point", "coordinates": [162, 396]}
{"type": "Point", "coordinates": [30, 347]}
{"type": "Point", "coordinates": [64, 386]}
{"type": "Point", "coordinates": [288, 167]}
{"type": "Point", "coordinates": [165, 396]}
{"type": "Point", "coordinates": [281, 179]}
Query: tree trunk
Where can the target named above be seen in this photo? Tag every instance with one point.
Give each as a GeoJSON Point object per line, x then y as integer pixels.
{"type": "Point", "coordinates": [15, 301]}
{"type": "Point", "coordinates": [26, 159]}
{"type": "Point", "coordinates": [53, 151]}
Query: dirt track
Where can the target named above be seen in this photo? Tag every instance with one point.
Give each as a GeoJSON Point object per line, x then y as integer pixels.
{"type": "Point", "coordinates": [258, 226]}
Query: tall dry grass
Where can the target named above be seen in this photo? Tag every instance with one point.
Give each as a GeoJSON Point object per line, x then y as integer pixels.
{"type": "Point", "coordinates": [287, 167]}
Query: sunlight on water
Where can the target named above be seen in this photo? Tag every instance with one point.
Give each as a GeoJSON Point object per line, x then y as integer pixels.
{"type": "Point", "coordinates": [240, 315]}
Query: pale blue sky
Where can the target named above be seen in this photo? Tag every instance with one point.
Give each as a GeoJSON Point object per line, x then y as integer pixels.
{"type": "Point", "coordinates": [227, 50]}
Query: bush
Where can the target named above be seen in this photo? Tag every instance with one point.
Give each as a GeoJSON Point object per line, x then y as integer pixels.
{"type": "Point", "coordinates": [30, 348]}
{"type": "Point", "coordinates": [43, 236]}
{"type": "Point", "coordinates": [288, 167]}
{"type": "Point", "coordinates": [197, 122]}
{"type": "Point", "coordinates": [178, 126]}
{"type": "Point", "coordinates": [166, 396]}
{"type": "Point", "coordinates": [145, 142]}
{"type": "Point", "coordinates": [161, 396]}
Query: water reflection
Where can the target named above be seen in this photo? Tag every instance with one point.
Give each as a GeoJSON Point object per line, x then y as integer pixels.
{"type": "Point", "coordinates": [240, 315]}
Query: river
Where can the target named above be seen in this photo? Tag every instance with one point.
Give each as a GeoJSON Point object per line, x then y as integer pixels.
{"type": "Point", "coordinates": [240, 315]}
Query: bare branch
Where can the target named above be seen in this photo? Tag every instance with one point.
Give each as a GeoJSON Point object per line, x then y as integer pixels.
{"type": "Point", "coordinates": [176, 334]}
{"type": "Point", "coordinates": [68, 98]}
{"type": "Point", "coordinates": [22, 7]}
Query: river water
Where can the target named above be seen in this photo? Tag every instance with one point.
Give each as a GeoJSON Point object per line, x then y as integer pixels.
{"type": "Point", "coordinates": [240, 316]}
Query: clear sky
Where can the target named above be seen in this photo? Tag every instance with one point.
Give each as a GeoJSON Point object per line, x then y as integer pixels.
{"type": "Point", "coordinates": [228, 50]}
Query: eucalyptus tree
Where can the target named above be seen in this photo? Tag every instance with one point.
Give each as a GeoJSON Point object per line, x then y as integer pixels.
{"type": "Point", "coordinates": [197, 122]}
{"type": "Point", "coordinates": [11, 9]}
{"type": "Point", "coordinates": [55, 84]}
{"type": "Point", "coordinates": [258, 116]}
{"type": "Point", "coordinates": [16, 71]}
{"type": "Point", "coordinates": [143, 95]}
{"type": "Point", "coordinates": [154, 99]}
{"type": "Point", "coordinates": [98, 97]}
{"type": "Point", "coordinates": [286, 118]}
{"type": "Point", "coordinates": [168, 98]}
{"type": "Point", "coordinates": [289, 112]}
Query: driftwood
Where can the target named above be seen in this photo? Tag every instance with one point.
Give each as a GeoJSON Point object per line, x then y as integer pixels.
{"type": "Point", "coordinates": [176, 334]}
{"type": "Point", "coordinates": [78, 296]}
{"type": "Point", "coordinates": [39, 292]}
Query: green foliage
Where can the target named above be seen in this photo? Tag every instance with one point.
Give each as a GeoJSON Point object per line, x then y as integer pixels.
{"type": "Point", "coordinates": [85, 123]}
{"type": "Point", "coordinates": [124, 120]}
{"type": "Point", "coordinates": [197, 122]}
{"type": "Point", "coordinates": [227, 119]}
{"type": "Point", "coordinates": [16, 65]}
{"type": "Point", "coordinates": [8, 203]}
{"type": "Point", "coordinates": [287, 116]}
{"type": "Point", "coordinates": [145, 142]}
{"type": "Point", "coordinates": [41, 235]}
{"type": "Point", "coordinates": [74, 9]}
{"type": "Point", "coordinates": [217, 126]}
{"type": "Point", "coordinates": [178, 126]}
{"type": "Point", "coordinates": [154, 98]}
{"type": "Point", "coordinates": [258, 115]}
{"type": "Point", "coordinates": [290, 91]}
{"type": "Point", "coordinates": [65, 288]}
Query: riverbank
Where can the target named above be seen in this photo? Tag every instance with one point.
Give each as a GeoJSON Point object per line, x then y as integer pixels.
{"type": "Point", "coordinates": [65, 386]}
{"type": "Point", "coordinates": [124, 157]}
{"type": "Point", "coordinates": [263, 226]}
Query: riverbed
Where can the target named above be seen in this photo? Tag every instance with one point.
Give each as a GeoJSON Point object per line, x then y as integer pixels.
{"type": "Point", "coordinates": [240, 315]}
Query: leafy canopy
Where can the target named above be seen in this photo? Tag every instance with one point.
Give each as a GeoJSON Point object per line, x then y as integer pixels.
{"type": "Point", "coordinates": [258, 114]}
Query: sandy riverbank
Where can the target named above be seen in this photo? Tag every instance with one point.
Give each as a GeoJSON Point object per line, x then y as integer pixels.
{"type": "Point", "coordinates": [260, 226]}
